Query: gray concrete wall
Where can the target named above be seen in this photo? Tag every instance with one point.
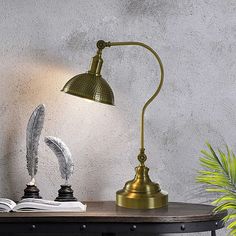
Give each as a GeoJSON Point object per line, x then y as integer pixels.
{"type": "Point", "coordinates": [44, 43]}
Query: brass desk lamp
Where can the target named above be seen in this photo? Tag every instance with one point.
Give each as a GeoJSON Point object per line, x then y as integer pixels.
{"type": "Point", "coordinates": [141, 192]}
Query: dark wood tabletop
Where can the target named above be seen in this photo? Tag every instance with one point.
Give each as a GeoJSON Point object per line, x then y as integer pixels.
{"type": "Point", "coordinates": [108, 212]}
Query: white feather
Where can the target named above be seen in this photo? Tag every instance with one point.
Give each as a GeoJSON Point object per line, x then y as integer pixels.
{"type": "Point", "coordinates": [34, 128]}
{"type": "Point", "coordinates": [63, 154]}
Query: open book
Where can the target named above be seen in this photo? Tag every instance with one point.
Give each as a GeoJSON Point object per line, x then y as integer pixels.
{"type": "Point", "coordinates": [32, 204]}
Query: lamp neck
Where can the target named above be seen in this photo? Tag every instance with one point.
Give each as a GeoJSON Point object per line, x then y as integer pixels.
{"type": "Point", "coordinates": [96, 64]}
{"type": "Point", "coordinates": [101, 45]}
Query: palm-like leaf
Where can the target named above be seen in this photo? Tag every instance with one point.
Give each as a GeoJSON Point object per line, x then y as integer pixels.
{"type": "Point", "coordinates": [220, 173]}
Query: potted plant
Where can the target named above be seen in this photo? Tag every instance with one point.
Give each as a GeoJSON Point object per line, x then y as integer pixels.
{"type": "Point", "coordinates": [220, 176]}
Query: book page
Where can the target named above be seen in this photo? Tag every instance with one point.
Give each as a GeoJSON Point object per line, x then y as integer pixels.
{"type": "Point", "coordinates": [6, 204]}
{"type": "Point", "coordinates": [40, 201]}
{"type": "Point", "coordinates": [32, 204]}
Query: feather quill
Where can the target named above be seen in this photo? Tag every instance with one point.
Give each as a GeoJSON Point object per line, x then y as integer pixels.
{"type": "Point", "coordinates": [34, 128]}
{"type": "Point", "coordinates": [63, 154]}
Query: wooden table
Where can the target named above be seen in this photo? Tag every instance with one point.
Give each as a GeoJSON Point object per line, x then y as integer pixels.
{"type": "Point", "coordinates": [105, 218]}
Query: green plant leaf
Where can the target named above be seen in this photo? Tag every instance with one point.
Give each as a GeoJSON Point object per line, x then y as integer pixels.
{"type": "Point", "coordinates": [229, 217]}
{"type": "Point", "coordinates": [219, 173]}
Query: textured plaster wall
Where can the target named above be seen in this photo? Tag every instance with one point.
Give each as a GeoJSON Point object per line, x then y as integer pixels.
{"type": "Point", "coordinates": [44, 43]}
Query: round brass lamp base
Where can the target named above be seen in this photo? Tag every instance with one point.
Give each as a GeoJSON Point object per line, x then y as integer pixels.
{"type": "Point", "coordinates": [141, 201]}
{"type": "Point", "coordinates": [141, 192]}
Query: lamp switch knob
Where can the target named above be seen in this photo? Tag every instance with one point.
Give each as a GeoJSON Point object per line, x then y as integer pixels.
{"type": "Point", "coordinates": [101, 44]}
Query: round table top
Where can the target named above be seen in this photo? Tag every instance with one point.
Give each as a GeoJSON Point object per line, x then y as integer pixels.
{"type": "Point", "coordinates": [107, 211]}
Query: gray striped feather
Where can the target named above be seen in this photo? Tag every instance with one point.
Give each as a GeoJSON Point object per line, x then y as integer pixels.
{"type": "Point", "coordinates": [63, 154]}
{"type": "Point", "coordinates": [33, 132]}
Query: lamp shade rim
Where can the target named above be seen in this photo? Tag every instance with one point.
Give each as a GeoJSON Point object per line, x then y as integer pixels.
{"type": "Point", "coordinates": [84, 97]}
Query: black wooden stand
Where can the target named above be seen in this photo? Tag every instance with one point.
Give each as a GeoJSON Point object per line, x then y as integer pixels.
{"type": "Point", "coordinates": [31, 191]}
{"type": "Point", "coordinates": [65, 194]}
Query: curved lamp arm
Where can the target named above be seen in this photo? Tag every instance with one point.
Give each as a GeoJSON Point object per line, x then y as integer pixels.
{"type": "Point", "coordinates": [101, 45]}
